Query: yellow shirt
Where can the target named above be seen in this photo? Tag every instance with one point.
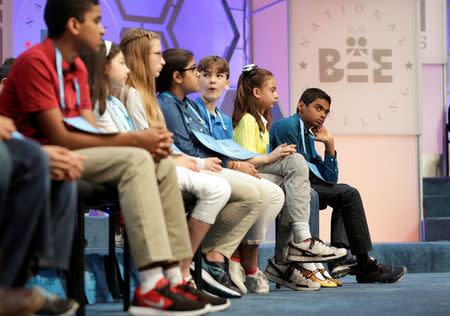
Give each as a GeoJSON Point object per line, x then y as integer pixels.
{"type": "Point", "coordinates": [247, 134]}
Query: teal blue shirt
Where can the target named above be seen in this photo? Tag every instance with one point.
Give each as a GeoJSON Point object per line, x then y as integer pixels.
{"type": "Point", "coordinates": [220, 125]}
{"type": "Point", "coordinates": [288, 130]}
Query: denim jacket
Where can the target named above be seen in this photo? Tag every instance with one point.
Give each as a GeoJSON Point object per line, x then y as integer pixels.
{"type": "Point", "coordinates": [182, 118]}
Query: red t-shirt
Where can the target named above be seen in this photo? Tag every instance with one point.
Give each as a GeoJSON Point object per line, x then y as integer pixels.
{"type": "Point", "coordinates": [32, 86]}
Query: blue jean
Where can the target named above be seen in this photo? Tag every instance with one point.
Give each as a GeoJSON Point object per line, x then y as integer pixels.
{"type": "Point", "coordinates": [5, 173]}
{"type": "Point", "coordinates": [37, 216]}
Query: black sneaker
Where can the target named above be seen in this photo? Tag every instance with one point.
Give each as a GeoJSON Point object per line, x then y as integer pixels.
{"type": "Point", "coordinates": [162, 300]}
{"type": "Point", "coordinates": [381, 273]}
{"type": "Point", "coordinates": [343, 266]}
{"type": "Point", "coordinates": [289, 275]}
{"type": "Point", "coordinates": [189, 290]}
{"type": "Point", "coordinates": [216, 279]}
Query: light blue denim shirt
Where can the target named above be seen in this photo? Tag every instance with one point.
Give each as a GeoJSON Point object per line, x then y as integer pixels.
{"type": "Point", "coordinates": [183, 117]}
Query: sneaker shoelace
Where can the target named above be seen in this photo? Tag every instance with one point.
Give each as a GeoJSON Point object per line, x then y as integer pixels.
{"type": "Point", "coordinates": [380, 268]}
{"type": "Point", "coordinates": [314, 240]}
{"type": "Point", "coordinates": [306, 273]}
{"type": "Point", "coordinates": [185, 290]}
{"type": "Point", "coordinates": [337, 282]}
{"type": "Point", "coordinates": [260, 278]}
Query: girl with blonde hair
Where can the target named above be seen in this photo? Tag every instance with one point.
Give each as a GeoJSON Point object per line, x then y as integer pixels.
{"type": "Point", "coordinates": [142, 50]}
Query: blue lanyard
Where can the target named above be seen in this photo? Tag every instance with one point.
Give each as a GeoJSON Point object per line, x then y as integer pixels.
{"type": "Point", "coordinates": [302, 134]}
{"type": "Point", "coordinates": [61, 82]}
{"type": "Point", "coordinates": [208, 114]}
{"type": "Point", "coordinates": [116, 105]}
{"type": "Point", "coordinates": [221, 120]}
{"type": "Point", "coordinates": [201, 120]}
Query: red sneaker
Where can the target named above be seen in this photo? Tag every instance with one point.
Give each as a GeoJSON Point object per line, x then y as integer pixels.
{"type": "Point", "coordinates": [161, 300]}
{"type": "Point", "coordinates": [190, 291]}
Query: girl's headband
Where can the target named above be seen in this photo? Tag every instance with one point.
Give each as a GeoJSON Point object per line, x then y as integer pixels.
{"type": "Point", "coordinates": [135, 38]}
{"type": "Point", "coordinates": [249, 70]}
{"type": "Point", "coordinates": [108, 47]}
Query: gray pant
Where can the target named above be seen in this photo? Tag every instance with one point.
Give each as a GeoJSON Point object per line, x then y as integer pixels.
{"type": "Point", "coordinates": [283, 231]}
{"type": "Point", "coordinates": [292, 174]}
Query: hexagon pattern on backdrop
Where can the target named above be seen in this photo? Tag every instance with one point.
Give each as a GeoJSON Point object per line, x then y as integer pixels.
{"type": "Point", "coordinates": [204, 27]}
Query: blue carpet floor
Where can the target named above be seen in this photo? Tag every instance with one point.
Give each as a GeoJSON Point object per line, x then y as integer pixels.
{"type": "Point", "coordinates": [416, 294]}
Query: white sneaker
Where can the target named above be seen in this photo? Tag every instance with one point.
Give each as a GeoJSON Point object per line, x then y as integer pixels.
{"type": "Point", "coordinates": [237, 275]}
{"type": "Point", "coordinates": [257, 282]}
{"type": "Point", "coordinates": [313, 250]}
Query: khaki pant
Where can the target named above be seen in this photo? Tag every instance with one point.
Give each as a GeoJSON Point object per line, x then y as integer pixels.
{"type": "Point", "coordinates": [256, 235]}
{"type": "Point", "coordinates": [150, 199]}
{"type": "Point", "coordinates": [247, 202]}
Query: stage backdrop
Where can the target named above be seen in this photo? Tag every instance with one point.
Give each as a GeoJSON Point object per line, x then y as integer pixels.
{"type": "Point", "coordinates": [204, 27]}
{"type": "Point", "coordinates": [366, 55]}
{"type": "Point", "coordinates": [433, 37]}
{"type": "Point", "coordinates": [384, 168]}
{"type": "Point", "coordinates": [6, 32]}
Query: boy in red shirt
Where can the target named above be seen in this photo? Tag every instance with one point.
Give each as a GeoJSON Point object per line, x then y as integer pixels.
{"type": "Point", "coordinates": [48, 84]}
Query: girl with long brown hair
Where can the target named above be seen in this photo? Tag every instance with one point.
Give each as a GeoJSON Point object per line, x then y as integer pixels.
{"type": "Point", "coordinates": [255, 98]}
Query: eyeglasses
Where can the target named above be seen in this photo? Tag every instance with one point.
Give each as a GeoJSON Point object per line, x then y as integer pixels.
{"type": "Point", "coordinates": [191, 68]}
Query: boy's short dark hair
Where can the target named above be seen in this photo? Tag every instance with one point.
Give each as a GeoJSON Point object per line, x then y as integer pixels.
{"type": "Point", "coordinates": [58, 12]}
{"type": "Point", "coordinates": [309, 95]}
{"type": "Point", "coordinates": [4, 69]}
{"type": "Point", "coordinates": [219, 62]}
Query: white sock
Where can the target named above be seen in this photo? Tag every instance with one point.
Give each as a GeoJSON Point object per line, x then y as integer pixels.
{"type": "Point", "coordinates": [309, 266]}
{"type": "Point", "coordinates": [312, 267]}
{"type": "Point", "coordinates": [188, 279]}
{"type": "Point", "coordinates": [300, 231]}
{"type": "Point", "coordinates": [149, 278]}
{"type": "Point", "coordinates": [320, 266]}
{"type": "Point", "coordinates": [174, 275]}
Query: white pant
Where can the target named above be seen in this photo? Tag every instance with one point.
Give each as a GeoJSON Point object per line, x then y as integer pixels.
{"type": "Point", "coordinates": [212, 193]}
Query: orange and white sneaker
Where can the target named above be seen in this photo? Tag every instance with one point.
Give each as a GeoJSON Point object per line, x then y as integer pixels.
{"type": "Point", "coordinates": [316, 276]}
{"type": "Point", "coordinates": [161, 300]}
{"type": "Point", "coordinates": [327, 277]}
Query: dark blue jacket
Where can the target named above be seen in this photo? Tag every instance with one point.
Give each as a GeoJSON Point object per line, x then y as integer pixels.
{"type": "Point", "coordinates": [288, 130]}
